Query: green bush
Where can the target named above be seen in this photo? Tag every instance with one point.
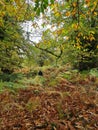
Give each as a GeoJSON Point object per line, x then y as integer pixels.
{"type": "Point", "coordinates": [11, 77]}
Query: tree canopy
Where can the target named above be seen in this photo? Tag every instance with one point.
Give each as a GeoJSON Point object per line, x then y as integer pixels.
{"type": "Point", "coordinates": [75, 23]}
{"type": "Point", "coordinates": [13, 46]}
{"type": "Point", "coordinates": [72, 26]}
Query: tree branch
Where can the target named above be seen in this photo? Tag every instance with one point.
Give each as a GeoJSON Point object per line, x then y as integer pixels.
{"type": "Point", "coordinates": [48, 51]}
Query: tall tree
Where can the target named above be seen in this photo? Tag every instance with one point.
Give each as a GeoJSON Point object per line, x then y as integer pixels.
{"type": "Point", "coordinates": [76, 22]}
{"type": "Point", "coordinates": [13, 46]}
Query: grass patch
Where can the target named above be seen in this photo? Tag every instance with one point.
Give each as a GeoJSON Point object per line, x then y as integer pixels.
{"type": "Point", "coordinates": [69, 74]}
{"type": "Point", "coordinates": [11, 86]}
{"type": "Point", "coordinates": [11, 77]}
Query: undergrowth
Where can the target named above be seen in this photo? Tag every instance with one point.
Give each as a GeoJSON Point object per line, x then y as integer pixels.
{"type": "Point", "coordinates": [61, 99]}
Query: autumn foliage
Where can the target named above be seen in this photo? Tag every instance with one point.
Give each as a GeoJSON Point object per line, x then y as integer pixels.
{"type": "Point", "coordinates": [62, 106]}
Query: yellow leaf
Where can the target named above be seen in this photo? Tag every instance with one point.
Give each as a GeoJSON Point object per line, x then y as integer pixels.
{"type": "Point", "coordinates": [83, 15]}
{"type": "Point", "coordinates": [75, 26]}
{"type": "Point", "coordinates": [67, 37]}
{"type": "Point", "coordinates": [78, 46]}
{"type": "Point", "coordinates": [2, 14]}
{"type": "Point", "coordinates": [1, 22]}
{"type": "Point", "coordinates": [95, 2]}
{"type": "Point", "coordinates": [67, 14]}
{"type": "Point", "coordinates": [91, 37]}
{"type": "Point", "coordinates": [57, 14]}
{"type": "Point", "coordinates": [63, 30]}
{"type": "Point", "coordinates": [2, 3]}
{"type": "Point", "coordinates": [85, 37]}
{"type": "Point", "coordinates": [18, 2]}
{"type": "Point", "coordinates": [77, 39]}
{"type": "Point", "coordinates": [92, 32]}
{"type": "Point", "coordinates": [95, 13]}
{"type": "Point", "coordinates": [74, 4]}
{"type": "Point", "coordinates": [73, 12]}
{"type": "Point", "coordinates": [87, 2]}
{"type": "Point", "coordinates": [80, 34]}
{"type": "Point", "coordinates": [54, 7]}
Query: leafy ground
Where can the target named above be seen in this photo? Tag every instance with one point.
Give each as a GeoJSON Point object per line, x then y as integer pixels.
{"type": "Point", "coordinates": [58, 100]}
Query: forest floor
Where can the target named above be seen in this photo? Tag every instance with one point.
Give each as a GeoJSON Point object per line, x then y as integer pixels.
{"type": "Point", "coordinates": [58, 100]}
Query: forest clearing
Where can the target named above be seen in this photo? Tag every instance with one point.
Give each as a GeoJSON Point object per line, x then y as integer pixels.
{"type": "Point", "coordinates": [48, 64]}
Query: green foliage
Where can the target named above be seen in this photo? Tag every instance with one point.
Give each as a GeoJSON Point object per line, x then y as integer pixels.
{"type": "Point", "coordinates": [11, 77]}
{"type": "Point", "coordinates": [75, 24]}
{"type": "Point", "coordinates": [70, 74]}
{"type": "Point", "coordinates": [31, 73]}
{"type": "Point", "coordinates": [11, 86]}
{"type": "Point", "coordinates": [86, 61]}
{"type": "Point", "coordinates": [40, 6]}
{"type": "Point", "coordinates": [13, 47]}
{"type": "Point", "coordinates": [94, 72]}
{"type": "Point", "coordinates": [38, 80]}
{"type": "Point", "coordinates": [44, 59]}
{"type": "Point", "coordinates": [72, 35]}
